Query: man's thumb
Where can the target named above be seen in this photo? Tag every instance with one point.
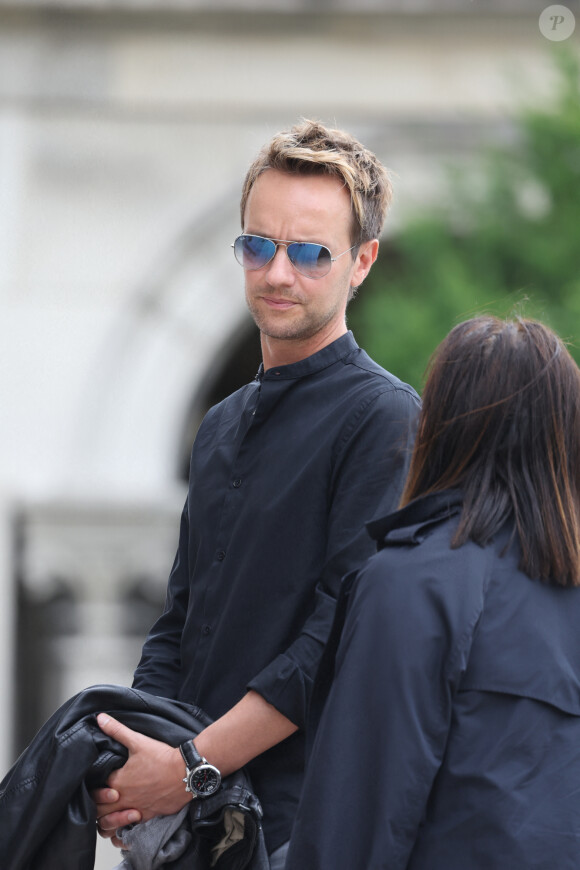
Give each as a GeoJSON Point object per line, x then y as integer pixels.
{"type": "Point", "coordinates": [116, 730]}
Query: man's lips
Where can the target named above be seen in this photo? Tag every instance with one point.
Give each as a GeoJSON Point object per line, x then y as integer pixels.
{"type": "Point", "coordinates": [276, 302]}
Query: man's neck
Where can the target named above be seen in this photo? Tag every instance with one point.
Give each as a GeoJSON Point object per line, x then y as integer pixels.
{"type": "Point", "coordinates": [283, 352]}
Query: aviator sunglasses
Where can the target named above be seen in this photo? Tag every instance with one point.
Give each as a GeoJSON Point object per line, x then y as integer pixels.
{"type": "Point", "coordinates": [308, 258]}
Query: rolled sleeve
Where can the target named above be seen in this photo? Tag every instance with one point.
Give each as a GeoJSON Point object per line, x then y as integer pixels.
{"type": "Point", "coordinates": [287, 681]}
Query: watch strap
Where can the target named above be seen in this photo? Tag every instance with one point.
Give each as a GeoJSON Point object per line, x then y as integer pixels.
{"type": "Point", "coordinates": [190, 755]}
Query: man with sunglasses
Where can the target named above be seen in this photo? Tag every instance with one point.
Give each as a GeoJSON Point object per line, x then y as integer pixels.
{"type": "Point", "coordinates": [284, 475]}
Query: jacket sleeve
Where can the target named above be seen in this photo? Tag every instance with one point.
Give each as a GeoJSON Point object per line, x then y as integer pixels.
{"type": "Point", "coordinates": [383, 731]}
{"type": "Point", "coordinates": [369, 468]}
{"type": "Point", "coordinates": [159, 669]}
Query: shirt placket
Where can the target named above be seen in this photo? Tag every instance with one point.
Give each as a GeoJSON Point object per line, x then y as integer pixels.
{"type": "Point", "coordinates": [236, 492]}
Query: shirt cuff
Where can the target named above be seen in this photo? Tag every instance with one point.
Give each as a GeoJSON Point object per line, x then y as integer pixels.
{"type": "Point", "coordinates": [286, 687]}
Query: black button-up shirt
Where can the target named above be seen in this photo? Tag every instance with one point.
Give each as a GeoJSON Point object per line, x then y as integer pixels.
{"type": "Point", "coordinates": [284, 474]}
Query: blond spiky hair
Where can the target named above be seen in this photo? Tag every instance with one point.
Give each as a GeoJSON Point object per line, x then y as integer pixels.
{"type": "Point", "coordinates": [310, 148]}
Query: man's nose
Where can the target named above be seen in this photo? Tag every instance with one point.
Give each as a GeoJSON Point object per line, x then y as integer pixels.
{"type": "Point", "coordinates": [280, 269]}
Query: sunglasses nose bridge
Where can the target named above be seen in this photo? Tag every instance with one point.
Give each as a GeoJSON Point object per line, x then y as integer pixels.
{"type": "Point", "coordinates": [290, 259]}
{"type": "Point", "coordinates": [280, 269]}
{"type": "Point", "coordinates": [280, 245]}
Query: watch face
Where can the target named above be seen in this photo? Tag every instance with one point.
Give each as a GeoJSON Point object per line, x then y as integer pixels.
{"type": "Point", "coordinates": [205, 780]}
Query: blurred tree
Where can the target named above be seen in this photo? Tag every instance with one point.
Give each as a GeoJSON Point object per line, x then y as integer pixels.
{"type": "Point", "coordinates": [509, 238]}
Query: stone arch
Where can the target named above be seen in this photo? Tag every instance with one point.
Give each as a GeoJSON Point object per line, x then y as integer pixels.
{"type": "Point", "coordinates": [164, 345]}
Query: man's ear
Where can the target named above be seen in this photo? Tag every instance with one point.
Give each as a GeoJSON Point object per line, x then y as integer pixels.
{"type": "Point", "coordinates": [366, 256]}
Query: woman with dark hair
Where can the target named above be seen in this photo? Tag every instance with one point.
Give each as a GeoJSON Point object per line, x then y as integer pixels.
{"type": "Point", "coordinates": [450, 736]}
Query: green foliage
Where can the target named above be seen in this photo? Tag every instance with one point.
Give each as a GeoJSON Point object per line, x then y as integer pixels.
{"type": "Point", "coordinates": [510, 240]}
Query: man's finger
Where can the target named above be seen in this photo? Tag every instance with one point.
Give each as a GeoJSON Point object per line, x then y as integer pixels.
{"type": "Point", "coordinates": [118, 731]}
{"type": "Point", "coordinates": [109, 823]}
{"type": "Point", "coordinates": [105, 795]}
{"type": "Point", "coordinates": [111, 836]}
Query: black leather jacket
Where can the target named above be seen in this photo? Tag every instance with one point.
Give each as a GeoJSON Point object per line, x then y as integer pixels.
{"type": "Point", "coordinates": [47, 817]}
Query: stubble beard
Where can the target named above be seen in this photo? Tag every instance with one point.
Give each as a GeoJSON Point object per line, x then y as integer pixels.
{"type": "Point", "coordinates": [291, 328]}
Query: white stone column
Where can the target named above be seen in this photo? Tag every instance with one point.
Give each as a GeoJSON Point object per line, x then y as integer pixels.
{"type": "Point", "coordinates": [13, 162]}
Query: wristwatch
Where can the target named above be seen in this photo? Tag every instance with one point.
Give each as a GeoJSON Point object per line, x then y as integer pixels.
{"type": "Point", "coordinates": [201, 778]}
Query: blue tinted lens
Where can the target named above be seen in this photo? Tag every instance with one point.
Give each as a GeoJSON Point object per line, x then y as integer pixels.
{"type": "Point", "coordinates": [310, 259]}
{"type": "Point", "coordinates": [253, 252]}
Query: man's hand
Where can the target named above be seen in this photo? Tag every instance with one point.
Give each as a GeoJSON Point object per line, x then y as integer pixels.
{"type": "Point", "coordinates": [149, 783]}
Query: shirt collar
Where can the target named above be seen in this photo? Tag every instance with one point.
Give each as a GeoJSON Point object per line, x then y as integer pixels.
{"type": "Point", "coordinates": [332, 353]}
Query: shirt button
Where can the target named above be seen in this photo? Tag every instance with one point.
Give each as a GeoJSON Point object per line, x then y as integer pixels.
{"type": "Point", "coordinates": [237, 482]}
{"type": "Point", "coordinates": [220, 555]}
{"type": "Point", "coordinates": [206, 629]}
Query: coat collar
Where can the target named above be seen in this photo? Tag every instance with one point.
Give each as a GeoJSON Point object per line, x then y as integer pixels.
{"type": "Point", "coordinates": [409, 524]}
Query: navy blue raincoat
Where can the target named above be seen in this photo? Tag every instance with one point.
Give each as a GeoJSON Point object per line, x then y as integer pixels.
{"type": "Point", "coordinates": [450, 738]}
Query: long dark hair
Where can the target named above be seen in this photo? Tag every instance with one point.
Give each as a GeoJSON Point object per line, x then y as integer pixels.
{"type": "Point", "coordinates": [501, 421]}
